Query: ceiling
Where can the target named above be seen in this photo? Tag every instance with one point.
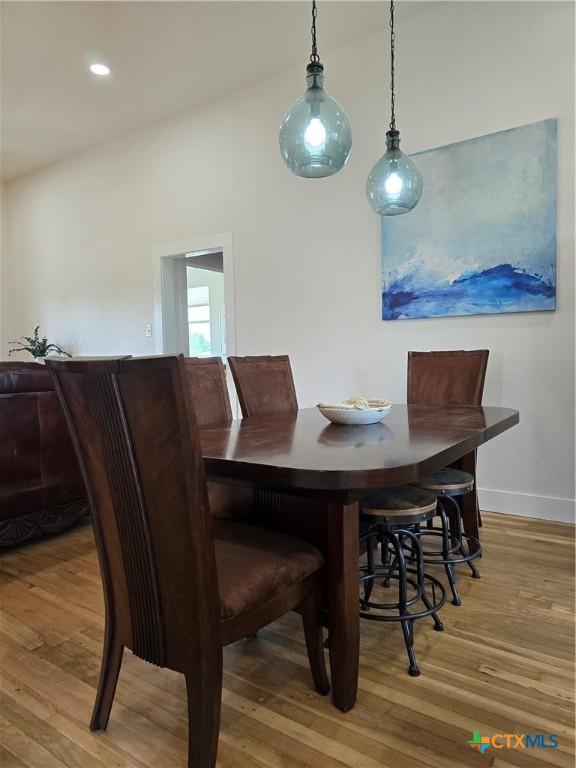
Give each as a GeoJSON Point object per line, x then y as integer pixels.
{"type": "Point", "coordinates": [165, 57]}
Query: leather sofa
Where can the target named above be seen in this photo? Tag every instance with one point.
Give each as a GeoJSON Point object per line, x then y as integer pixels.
{"type": "Point", "coordinates": [41, 488]}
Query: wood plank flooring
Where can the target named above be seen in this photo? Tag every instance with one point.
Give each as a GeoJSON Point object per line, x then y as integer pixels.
{"type": "Point", "coordinates": [504, 664]}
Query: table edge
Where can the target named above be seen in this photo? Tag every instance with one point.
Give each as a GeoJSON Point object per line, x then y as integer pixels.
{"type": "Point", "coordinates": [352, 479]}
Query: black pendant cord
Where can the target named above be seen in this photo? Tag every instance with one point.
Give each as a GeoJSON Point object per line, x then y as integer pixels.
{"type": "Point", "coordinates": [314, 57]}
{"type": "Point", "coordinates": [392, 70]}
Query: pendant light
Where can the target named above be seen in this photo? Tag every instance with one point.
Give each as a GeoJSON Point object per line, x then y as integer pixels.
{"type": "Point", "coordinates": [315, 136]}
{"type": "Point", "coordinates": [394, 185]}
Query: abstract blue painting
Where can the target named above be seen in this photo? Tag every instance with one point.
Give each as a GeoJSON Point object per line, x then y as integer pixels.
{"type": "Point", "coordinates": [482, 239]}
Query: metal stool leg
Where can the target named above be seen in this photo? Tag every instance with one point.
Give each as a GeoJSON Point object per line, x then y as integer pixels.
{"type": "Point", "coordinates": [385, 558]}
{"type": "Point", "coordinates": [449, 567]}
{"type": "Point", "coordinates": [412, 553]}
{"type": "Point", "coordinates": [455, 520]}
{"type": "Point", "coordinates": [475, 571]}
{"type": "Point", "coordinates": [458, 517]}
{"type": "Point", "coordinates": [417, 550]}
{"type": "Point", "coordinates": [369, 582]}
{"type": "Point", "coordinates": [408, 630]}
{"type": "Point", "coordinates": [407, 624]}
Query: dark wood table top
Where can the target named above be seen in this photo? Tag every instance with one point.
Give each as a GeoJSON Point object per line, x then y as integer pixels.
{"type": "Point", "coordinates": [306, 452]}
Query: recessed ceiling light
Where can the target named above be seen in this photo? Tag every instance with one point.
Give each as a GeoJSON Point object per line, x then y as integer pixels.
{"type": "Point", "coordinates": [99, 69]}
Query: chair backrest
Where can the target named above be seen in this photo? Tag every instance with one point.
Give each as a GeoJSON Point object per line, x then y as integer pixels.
{"type": "Point", "coordinates": [206, 380]}
{"type": "Point", "coordinates": [265, 385]}
{"type": "Point", "coordinates": [137, 443]}
{"type": "Point", "coordinates": [447, 378]}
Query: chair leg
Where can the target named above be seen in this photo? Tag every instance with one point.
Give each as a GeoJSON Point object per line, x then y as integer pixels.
{"type": "Point", "coordinates": [312, 622]}
{"type": "Point", "coordinates": [109, 671]}
{"type": "Point", "coordinates": [204, 691]}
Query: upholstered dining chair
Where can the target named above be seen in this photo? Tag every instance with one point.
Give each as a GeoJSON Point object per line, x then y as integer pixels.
{"type": "Point", "coordinates": [264, 384]}
{"type": "Point", "coordinates": [453, 377]}
{"type": "Point", "coordinates": [450, 378]}
{"type": "Point", "coordinates": [206, 381]}
{"type": "Point", "coordinates": [178, 585]}
{"type": "Point", "coordinates": [208, 390]}
{"type": "Point", "coordinates": [447, 378]}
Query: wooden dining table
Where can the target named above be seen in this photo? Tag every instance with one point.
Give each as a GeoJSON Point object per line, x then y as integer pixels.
{"type": "Point", "coordinates": [305, 476]}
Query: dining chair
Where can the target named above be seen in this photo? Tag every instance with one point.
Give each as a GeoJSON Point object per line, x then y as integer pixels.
{"type": "Point", "coordinates": [178, 585]}
{"type": "Point", "coordinates": [264, 384]}
{"type": "Point", "coordinates": [449, 378]}
{"type": "Point", "coordinates": [206, 382]}
{"type": "Point", "coordinates": [208, 389]}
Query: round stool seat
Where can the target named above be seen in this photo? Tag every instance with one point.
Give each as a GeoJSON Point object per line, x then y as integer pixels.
{"type": "Point", "coordinates": [404, 505]}
{"type": "Point", "coordinates": [448, 481]}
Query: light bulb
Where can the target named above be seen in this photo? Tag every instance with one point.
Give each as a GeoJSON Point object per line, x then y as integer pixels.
{"type": "Point", "coordinates": [315, 135]}
{"type": "Point", "coordinates": [393, 184]}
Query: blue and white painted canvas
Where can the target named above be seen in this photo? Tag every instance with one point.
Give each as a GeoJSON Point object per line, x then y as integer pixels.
{"type": "Point", "coordinates": [482, 239]}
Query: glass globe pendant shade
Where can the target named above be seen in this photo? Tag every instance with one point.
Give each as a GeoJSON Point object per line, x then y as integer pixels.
{"type": "Point", "coordinates": [315, 135]}
{"type": "Point", "coordinates": [394, 185]}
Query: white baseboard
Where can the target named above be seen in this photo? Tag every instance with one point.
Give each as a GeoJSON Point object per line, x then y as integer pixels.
{"type": "Point", "coordinates": [527, 505]}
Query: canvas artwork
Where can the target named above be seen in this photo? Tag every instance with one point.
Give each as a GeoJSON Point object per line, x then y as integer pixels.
{"type": "Point", "coordinates": [482, 240]}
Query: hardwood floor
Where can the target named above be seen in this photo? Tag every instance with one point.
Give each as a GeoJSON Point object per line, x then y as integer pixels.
{"type": "Point", "coordinates": [505, 664]}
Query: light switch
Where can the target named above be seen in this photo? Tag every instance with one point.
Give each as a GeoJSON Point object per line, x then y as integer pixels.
{"type": "Point", "coordinates": [148, 328]}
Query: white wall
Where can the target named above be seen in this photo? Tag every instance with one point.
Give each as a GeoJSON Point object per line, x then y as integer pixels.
{"type": "Point", "coordinates": [306, 253]}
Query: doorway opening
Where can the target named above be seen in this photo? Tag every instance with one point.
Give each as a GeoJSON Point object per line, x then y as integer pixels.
{"type": "Point", "coordinates": [194, 297]}
{"type": "Point", "coordinates": [206, 310]}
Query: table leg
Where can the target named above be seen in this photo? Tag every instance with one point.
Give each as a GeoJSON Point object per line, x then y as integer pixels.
{"type": "Point", "coordinates": [342, 586]}
{"type": "Point", "coordinates": [469, 502]}
{"type": "Point", "coordinates": [333, 528]}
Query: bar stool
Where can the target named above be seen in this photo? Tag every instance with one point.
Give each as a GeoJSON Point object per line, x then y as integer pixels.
{"type": "Point", "coordinates": [391, 518]}
{"type": "Point", "coordinates": [447, 485]}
